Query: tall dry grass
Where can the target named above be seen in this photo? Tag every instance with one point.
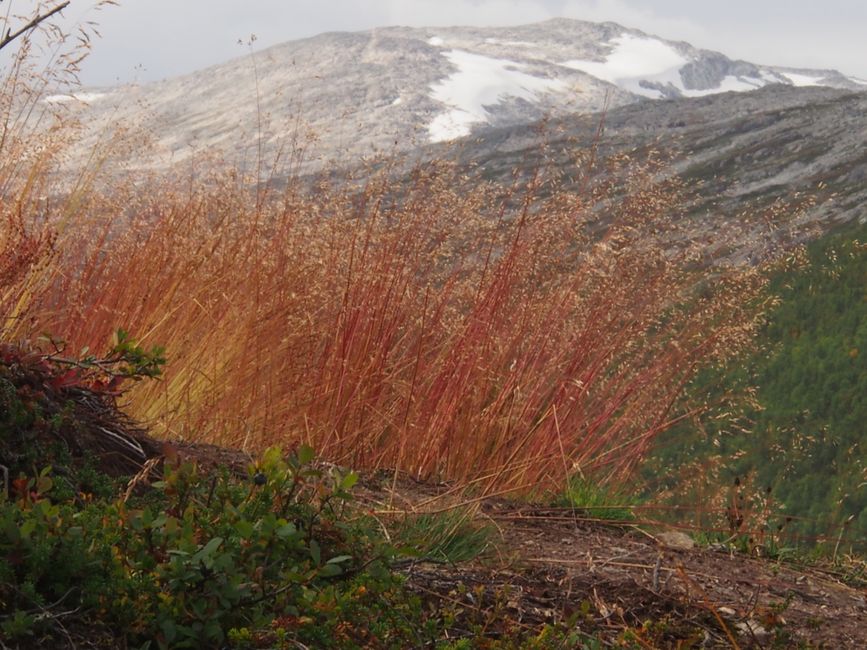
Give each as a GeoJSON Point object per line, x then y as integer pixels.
{"type": "Point", "coordinates": [515, 334]}
{"type": "Point", "coordinates": [444, 330]}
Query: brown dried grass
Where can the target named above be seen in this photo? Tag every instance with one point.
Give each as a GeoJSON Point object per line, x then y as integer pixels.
{"type": "Point", "coordinates": [519, 333]}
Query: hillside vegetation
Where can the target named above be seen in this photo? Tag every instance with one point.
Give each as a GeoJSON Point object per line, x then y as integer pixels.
{"type": "Point", "coordinates": [174, 347]}
{"type": "Point", "coordinates": [801, 440]}
{"type": "Point", "coordinates": [500, 335]}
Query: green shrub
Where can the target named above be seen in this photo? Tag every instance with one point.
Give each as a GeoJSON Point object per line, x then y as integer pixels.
{"type": "Point", "coordinates": [199, 556]}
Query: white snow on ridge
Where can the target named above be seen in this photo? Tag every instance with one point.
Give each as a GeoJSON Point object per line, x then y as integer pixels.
{"type": "Point", "coordinates": [633, 60]}
{"type": "Point", "coordinates": [73, 97]}
{"type": "Point", "coordinates": [802, 79]}
{"type": "Point", "coordinates": [729, 84]}
{"type": "Point", "coordinates": [772, 77]}
{"type": "Point", "coordinates": [436, 41]}
{"type": "Point", "coordinates": [481, 81]}
{"type": "Point", "coordinates": [862, 82]}
{"type": "Point", "coordinates": [636, 59]}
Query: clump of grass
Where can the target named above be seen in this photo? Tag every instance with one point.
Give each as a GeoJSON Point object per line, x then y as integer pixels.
{"type": "Point", "coordinates": [512, 333]}
{"type": "Point", "coordinates": [450, 536]}
{"type": "Point", "coordinates": [599, 501]}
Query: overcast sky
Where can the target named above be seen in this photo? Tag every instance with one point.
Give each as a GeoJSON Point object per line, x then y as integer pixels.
{"type": "Point", "coordinates": [145, 40]}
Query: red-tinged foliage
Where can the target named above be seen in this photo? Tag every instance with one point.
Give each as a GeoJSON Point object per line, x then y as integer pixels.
{"type": "Point", "coordinates": [426, 321]}
{"type": "Point", "coordinates": [509, 333]}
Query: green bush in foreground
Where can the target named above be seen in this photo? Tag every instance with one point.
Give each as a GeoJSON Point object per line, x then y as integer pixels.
{"type": "Point", "coordinates": [201, 560]}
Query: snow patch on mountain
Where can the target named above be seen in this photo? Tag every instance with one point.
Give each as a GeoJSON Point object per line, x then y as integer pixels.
{"type": "Point", "coordinates": [802, 80]}
{"type": "Point", "coordinates": [74, 97]}
{"type": "Point", "coordinates": [729, 84]}
{"type": "Point", "coordinates": [481, 81]}
{"type": "Point", "coordinates": [632, 60]}
{"type": "Point", "coordinates": [653, 68]}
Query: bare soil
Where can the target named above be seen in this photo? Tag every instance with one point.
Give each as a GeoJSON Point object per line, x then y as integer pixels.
{"type": "Point", "coordinates": [615, 581]}
{"type": "Point", "coordinates": [625, 584]}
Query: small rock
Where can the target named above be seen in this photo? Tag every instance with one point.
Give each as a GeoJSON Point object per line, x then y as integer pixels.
{"type": "Point", "coordinates": [727, 611]}
{"type": "Point", "coordinates": [676, 539]}
{"type": "Point", "coordinates": [752, 628]}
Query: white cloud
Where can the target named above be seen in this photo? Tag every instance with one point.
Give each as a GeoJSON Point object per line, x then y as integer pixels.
{"type": "Point", "coordinates": [442, 13]}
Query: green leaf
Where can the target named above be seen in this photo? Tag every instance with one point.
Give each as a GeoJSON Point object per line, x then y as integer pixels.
{"type": "Point", "coordinates": [208, 549]}
{"type": "Point", "coordinates": [11, 532]}
{"type": "Point", "coordinates": [27, 528]}
{"type": "Point", "coordinates": [330, 570]}
{"type": "Point", "coordinates": [305, 454]}
{"type": "Point", "coordinates": [245, 529]}
{"type": "Point", "coordinates": [339, 558]}
{"type": "Point", "coordinates": [170, 632]}
{"type": "Point", "coordinates": [287, 530]}
{"type": "Point", "coordinates": [172, 526]}
{"type": "Point", "coordinates": [44, 484]}
{"type": "Point", "coordinates": [315, 552]}
{"type": "Point", "coordinates": [349, 481]}
{"type": "Point", "coordinates": [213, 630]}
{"type": "Point", "coordinates": [271, 456]}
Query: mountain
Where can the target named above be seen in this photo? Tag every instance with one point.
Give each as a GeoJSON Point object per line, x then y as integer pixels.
{"type": "Point", "coordinates": [742, 153]}
{"type": "Point", "coordinates": [344, 96]}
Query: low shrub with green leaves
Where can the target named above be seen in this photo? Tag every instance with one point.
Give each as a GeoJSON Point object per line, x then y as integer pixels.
{"type": "Point", "coordinates": [201, 560]}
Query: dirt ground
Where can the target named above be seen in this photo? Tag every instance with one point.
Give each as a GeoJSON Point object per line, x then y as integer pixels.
{"type": "Point", "coordinates": [553, 565]}
{"type": "Point", "coordinates": [628, 585]}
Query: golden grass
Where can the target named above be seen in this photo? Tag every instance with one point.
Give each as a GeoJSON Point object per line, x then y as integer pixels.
{"type": "Point", "coordinates": [518, 333]}
{"type": "Point", "coordinates": [444, 332]}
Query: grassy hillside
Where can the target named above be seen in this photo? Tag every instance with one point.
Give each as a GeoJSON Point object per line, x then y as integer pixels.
{"type": "Point", "coordinates": [502, 339]}
{"type": "Point", "coordinates": [802, 441]}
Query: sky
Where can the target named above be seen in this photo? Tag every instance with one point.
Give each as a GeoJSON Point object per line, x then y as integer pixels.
{"type": "Point", "coordinates": [145, 40]}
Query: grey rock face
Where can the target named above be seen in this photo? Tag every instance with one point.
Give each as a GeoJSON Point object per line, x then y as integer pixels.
{"type": "Point", "coordinates": [344, 96]}
{"type": "Point", "coordinates": [741, 152]}
{"type": "Point", "coordinates": [709, 70]}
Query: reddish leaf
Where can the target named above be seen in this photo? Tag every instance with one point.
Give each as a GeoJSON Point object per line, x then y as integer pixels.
{"type": "Point", "coordinates": [69, 378]}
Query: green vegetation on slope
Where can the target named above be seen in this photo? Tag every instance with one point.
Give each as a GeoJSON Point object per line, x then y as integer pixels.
{"type": "Point", "coordinates": [803, 444]}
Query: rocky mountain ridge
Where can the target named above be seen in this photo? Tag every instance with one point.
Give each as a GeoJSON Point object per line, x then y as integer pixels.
{"type": "Point", "coordinates": [772, 167]}
{"type": "Point", "coordinates": [345, 96]}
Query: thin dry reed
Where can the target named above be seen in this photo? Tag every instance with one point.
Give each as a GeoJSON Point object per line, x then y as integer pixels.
{"type": "Point", "coordinates": [443, 331]}
{"type": "Point", "coordinates": [449, 329]}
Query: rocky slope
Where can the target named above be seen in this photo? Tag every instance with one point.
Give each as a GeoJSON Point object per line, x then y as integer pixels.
{"type": "Point", "coordinates": [343, 96]}
{"type": "Point", "coordinates": [743, 152]}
